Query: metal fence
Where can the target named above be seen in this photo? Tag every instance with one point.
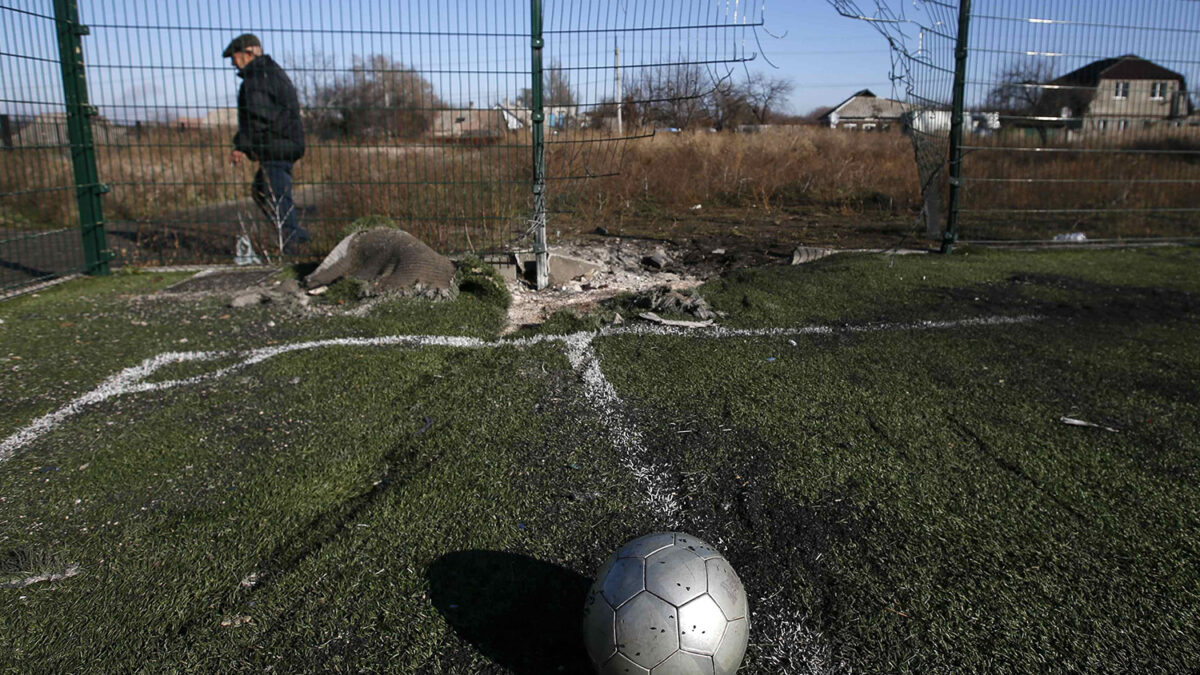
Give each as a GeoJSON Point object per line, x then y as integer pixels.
{"type": "Point", "coordinates": [1043, 120]}
{"type": "Point", "coordinates": [456, 118]}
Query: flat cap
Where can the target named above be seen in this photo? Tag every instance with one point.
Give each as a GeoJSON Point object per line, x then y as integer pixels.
{"type": "Point", "coordinates": [240, 43]}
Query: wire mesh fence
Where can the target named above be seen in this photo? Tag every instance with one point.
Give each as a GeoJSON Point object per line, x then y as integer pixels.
{"type": "Point", "coordinates": [1077, 120]}
{"type": "Point", "coordinates": [434, 113]}
{"type": "Point", "coordinates": [39, 222]}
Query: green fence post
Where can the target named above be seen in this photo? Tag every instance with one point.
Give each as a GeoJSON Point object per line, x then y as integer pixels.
{"type": "Point", "coordinates": [950, 236]}
{"type": "Point", "coordinates": [88, 187]}
{"type": "Point", "coordinates": [538, 118]}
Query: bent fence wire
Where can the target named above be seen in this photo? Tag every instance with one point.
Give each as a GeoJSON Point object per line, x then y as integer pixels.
{"type": "Point", "coordinates": [425, 111]}
{"type": "Point", "coordinates": [1078, 118]}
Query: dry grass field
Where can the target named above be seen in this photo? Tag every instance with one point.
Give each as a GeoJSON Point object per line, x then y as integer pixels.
{"type": "Point", "coordinates": [476, 197]}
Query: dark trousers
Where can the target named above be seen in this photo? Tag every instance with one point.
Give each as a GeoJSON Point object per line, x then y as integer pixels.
{"type": "Point", "coordinates": [272, 192]}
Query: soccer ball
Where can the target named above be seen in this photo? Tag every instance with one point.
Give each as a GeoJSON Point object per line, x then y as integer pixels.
{"type": "Point", "coordinates": [666, 604]}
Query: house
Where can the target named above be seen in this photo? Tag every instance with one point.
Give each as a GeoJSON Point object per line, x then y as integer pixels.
{"type": "Point", "coordinates": [218, 118]}
{"type": "Point", "coordinates": [1115, 95]}
{"type": "Point", "coordinates": [470, 125]}
{"type": "Point", "coordinates": [50, 130]}
{"type": "Point", "coordinates": [864, 111]}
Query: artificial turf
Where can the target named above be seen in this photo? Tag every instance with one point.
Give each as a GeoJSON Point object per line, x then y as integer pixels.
{"type": "Point", "coordinates": [895, 498]}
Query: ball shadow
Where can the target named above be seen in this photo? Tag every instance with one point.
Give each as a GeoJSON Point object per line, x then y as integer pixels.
{"type": "Point", "coordinates": [522, 613]}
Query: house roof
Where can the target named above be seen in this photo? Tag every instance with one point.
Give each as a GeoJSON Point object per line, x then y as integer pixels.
{"type": "Point", "coordinates": [866, 105]}
{"type": "Point", "coordinates": [1127, 67]}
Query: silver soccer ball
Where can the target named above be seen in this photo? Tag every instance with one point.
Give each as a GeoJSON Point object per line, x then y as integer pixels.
{"type": "Point", "coordinates": [666, 604]}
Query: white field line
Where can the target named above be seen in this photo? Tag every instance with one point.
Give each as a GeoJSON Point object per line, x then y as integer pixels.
{"type": "Point", "coordinates": [653, 479]}
{"type": "Point", "coordinates": [627, 440]}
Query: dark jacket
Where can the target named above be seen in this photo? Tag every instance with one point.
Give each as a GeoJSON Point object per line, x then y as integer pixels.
{"type": "Point", "coordinates": [269, 127]}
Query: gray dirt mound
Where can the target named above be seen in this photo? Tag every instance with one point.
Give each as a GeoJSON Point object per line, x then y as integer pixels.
{"type": "Point", "coordinates": [388, 259]}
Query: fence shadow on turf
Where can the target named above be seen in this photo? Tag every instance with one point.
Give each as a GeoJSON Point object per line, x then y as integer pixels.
{"type": "Point", "coordinates": [522, 613]}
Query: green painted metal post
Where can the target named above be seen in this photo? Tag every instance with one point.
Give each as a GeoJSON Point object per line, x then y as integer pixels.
{"type": "Point", "coordinates": [88, 187]}
{"type": "Point", "coordinates": [950, 236]}
{"type": "Point", "coordinates": [538, 118]}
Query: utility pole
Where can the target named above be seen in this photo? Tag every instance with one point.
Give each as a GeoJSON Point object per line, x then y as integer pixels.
{"type": "Point", "coordinates": [620, 95]}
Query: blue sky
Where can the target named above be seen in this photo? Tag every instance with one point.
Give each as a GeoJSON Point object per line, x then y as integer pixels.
{"type": "Point", "coordinates": [155, 59]}
{"type": "Point", "coordinates": [827, 55]}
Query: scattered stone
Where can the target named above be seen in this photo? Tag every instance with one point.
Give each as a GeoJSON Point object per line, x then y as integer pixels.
{"type": "Point", "coordinates": [654, 318]}
{"type": "Point", "coordinates": [718, 251]}
{"type": "Point", "coordinates": [290, 286]}
{"type": "Point", "coordinates": [248, 299]}
{"type": "Point", "coordinates": [658, 260]}
{"type": "Point", "coordinates": [565, 269]}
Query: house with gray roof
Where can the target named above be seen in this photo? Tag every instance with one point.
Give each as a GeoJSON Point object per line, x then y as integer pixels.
{"type": "Point", "coordinates": [1117, 94]}
{"type": "Point", "coordinates": [864, 111]}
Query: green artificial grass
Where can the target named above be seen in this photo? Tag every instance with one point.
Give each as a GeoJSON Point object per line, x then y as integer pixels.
{"type": "Point", "coordinates": [895, 498]}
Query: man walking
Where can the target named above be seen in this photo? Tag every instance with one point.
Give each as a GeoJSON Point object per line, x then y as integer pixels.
{"type": "Point", "coordinates": [270, 133]}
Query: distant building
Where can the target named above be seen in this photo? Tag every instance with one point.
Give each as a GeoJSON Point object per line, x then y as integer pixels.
{"type": "Point", "coordinates": [50, 130]}
{"type": "Point", "coordinates": [470, 124]}
{"type": "Point", "coordinates": [218, 118]}
{"type": "Point", "coordinates": [1115, 95]}
{"type": "Point", "coordinates": [864, 111]}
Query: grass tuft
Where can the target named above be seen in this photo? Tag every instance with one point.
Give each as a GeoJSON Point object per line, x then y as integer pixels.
{"type": "Point", "coordinates": [478, 278]}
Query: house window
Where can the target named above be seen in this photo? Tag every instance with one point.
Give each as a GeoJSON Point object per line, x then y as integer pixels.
{"type": "Point", "coordinates": [1123, 125]}
{"type": "Point", "coordinates": [1158, 90]}
{"type": "Point", "coordinates": [1102, 125]}
{"type": "Point", "coordinates": [1122, 90]}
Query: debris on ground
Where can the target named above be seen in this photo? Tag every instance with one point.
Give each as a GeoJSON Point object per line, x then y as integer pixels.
{"type": "Point", "coordinates": [1071, 237]}
{"type": "Point", "coordinates": [71, 570]}
{"type": "Point", "coordinates": [807, 254]}
{"type": "Point", "coordinates": [658, 260]}
{"type": "Point", "coordinates": [387, 260]}
{"type": "Point", "coordinates": [1071, 421]}
{"type": "Point", "coordinates": [615, 268]}
{"type": "Point", "coordinates": [248, 299]}
{"type": "Point", "coordinates": [654, 318]}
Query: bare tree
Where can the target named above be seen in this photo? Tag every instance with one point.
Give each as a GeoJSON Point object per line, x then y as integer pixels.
{"type": "Point", "coordinates": [1020, 88]}
{"type": "Point", "coordinates": [378, 98]}
{"type": "Point", "coordinates": [728, 105]}
{"type": "Point", "coordinates": [558, 88]}
{"type": "Point", "coordinates": [814, 116]}
{"type": "Point", "coordinates": [672, 96]}
{"type": "Point", "coordinates": [765, 94]}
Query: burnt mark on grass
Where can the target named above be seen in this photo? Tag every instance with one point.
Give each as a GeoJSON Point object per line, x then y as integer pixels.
{"type": "Point", "coordinates": [779, 545]}
{"type": "Point", "coordinates": [1081, 300]}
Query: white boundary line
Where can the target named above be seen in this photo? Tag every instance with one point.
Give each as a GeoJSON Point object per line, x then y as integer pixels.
{"type": "Point", "coordinates": [580, 352]}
